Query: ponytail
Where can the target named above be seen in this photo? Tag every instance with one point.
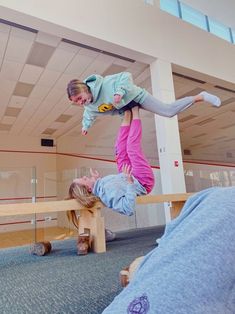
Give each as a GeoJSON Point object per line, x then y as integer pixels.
{"type": "Point", "coordinates": [83, 196]}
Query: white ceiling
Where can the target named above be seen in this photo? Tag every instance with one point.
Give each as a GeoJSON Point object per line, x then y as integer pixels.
{"type": "Point", "coordinates": [35, 68]}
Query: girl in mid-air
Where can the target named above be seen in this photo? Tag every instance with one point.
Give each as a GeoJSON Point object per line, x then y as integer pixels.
{"type": "Point", "coordinates": [113, 94]}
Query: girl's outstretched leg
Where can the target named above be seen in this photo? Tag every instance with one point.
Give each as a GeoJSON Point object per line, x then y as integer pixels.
{"type": "Point", "coordinates": [141, 169]}
{"type": "Point", "coordinates": [121, 142]}
{"type": "Point", "coordinates": [169, 110]}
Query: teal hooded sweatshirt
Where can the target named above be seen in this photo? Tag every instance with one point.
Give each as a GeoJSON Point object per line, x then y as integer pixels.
{"type": "Point", "coordinates": [103, 90]}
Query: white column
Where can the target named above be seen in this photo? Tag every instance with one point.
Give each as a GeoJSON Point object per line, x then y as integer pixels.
{"type": "Point", "coordinates": [167, 131]}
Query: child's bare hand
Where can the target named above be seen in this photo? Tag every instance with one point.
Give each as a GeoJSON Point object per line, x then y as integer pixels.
{"type": "Point", "coordinates": [94, 173]}
{"type": "Point", "coordinates": [126, 169]}
{"type": "Point", "coordinates": [84, 132]}
{"type": "Point", "coordinates": [117, 98]}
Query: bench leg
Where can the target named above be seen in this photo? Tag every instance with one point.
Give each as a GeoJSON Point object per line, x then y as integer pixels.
{"type": "Point", "coordinates": [176, 208]}
{"type": "Point", "coordinates": [95, 222]}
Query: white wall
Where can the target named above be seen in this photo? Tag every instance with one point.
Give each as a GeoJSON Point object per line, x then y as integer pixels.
{"type": "Point", "coordinates": [150, 32]}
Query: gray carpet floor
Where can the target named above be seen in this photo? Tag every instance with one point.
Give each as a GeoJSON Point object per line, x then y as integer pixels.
{"type": "Point", "coordinates": [62, 281]}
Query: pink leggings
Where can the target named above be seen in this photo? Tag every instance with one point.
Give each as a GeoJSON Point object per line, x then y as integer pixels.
{"type": "Point", "coordinates": [128, 151]}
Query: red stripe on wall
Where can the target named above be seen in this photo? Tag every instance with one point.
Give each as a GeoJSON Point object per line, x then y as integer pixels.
{"type": "Point", "coordinates": [94, 158]}
{"type": "Point", "coordinates": [209, 163]}
{"type": "Point", "coordinates": [64, 154]}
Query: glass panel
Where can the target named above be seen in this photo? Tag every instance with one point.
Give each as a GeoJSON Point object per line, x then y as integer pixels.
{"type": "Point", "coordinates": [54, 226]}
{"type": "Point", "coordinates": [16, 230]}
{"type": "Point", "coordinates": [193, 16]}
{"type": "Point", "coordinates": [15, 187]}
{"type": "Point", "coordinates": [199, 179]}
{"type": "Point", "coordinates": [170, 6]}
{"type": "Point", "coordinates": [219, 29]}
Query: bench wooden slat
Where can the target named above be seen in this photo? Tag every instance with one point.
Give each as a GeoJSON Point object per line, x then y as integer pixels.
{"type": "Point", "coordinates": [161, 198]}
{"type": "Point", "coordinates": [38, 207]}
{"type": "Point", "coordinates": [64, 205]}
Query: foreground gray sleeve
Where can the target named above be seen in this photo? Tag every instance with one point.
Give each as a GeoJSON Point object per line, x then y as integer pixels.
{"type": "Point", "coordinates": [192, 271]}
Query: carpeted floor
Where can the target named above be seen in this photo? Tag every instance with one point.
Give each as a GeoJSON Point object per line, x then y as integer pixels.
{"type": "Point", "coordinates": [63, 282]}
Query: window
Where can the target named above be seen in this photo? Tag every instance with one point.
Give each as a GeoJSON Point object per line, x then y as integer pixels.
{"type": "Point", "coordinates": [170, 6]}
{"type": "Point", "coordinates": [190, 15]}
{"type": "Point", "coordinates": [193, 16]}
{"type": "Point", "coordinates": [219, 29]}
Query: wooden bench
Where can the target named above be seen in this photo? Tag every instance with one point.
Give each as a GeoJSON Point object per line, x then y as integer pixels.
{"type": "Point", "coordinates": [91, 218]}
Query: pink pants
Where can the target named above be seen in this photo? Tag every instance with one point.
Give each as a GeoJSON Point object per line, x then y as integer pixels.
{"type": "Point", "coordinates": [129, 151]}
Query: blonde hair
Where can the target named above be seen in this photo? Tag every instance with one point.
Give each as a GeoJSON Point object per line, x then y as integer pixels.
{"type": "Point", "coordinates": [76, 87]}
{"type": "Point", "coordinates": [83, 196]}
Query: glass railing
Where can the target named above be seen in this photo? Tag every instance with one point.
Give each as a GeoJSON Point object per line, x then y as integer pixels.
{"type": "Point", "coordinates": [20, 185]}
{"type": "Point", "coordinates": [199, 177]}
{"type": "Point", "coordinates": [17, 186]}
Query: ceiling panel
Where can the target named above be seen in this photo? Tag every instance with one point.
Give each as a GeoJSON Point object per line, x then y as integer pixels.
{"type": "Point", "coordinates": [4, 34]}
{"type": "Point", "coordinates": [11, 70]}
{"type": "Point", "coordinates": [47, 39]}
{"type": "Point", "coordinates": [60, 60]}
{"type": "Point", "coordinates": [63, 80]}
{"type": "Point", "coordinates": [99, 65]}
{"type": "Point", "coordinates": [23, 89]}
{"type": "Point", "coordinates": [48, 78]}
{"type": "Point", "coordinates": [5, 127]}
{"type": "Point", "coordinates": [78, 65]}
{"type": "Point", "coordinates": [17, 101]}
{"type": "Point", "coordinates": [30, 74]}
{"type": "Point", "coordinates": [6, 89]}
{"type": "Point", "coordinates": [8, 120]}
{"type": "Point", "coordinates": [19, 46]}
{"type": "Point", "coordinates": [40, 54]}
{"type": "Point", "coordinates": [40, 91]}
{"type": "Point", "coordinates": [12, 111]}
{"type": "Point", "coordinates": [25, 115]}
{"type": "Point", "coordinates": [113, 69]}
{"type": "Point", "coordinates": [50, 115]}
